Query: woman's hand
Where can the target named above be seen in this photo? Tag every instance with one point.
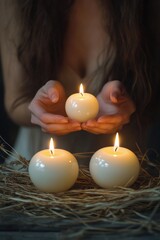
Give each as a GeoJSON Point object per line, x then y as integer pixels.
{"type": "Point", "coordinates": [48, 110]}
{"type": "Point", "coordinates": [116, 107]}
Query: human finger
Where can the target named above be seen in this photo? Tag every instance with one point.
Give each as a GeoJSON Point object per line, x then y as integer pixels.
{"type": "Point", "coordinates": [57, 127]}
{"type": "Point", "coordinates": [118, 93]}
{"type": "Point", "coordinates": [35, 108]}
{"type": "Point", "coordinates": [101, 128]}
{"type": "Point", "coordinates": [52, 118]}
{"type": "Point", "coordinates": [54, 90]}
{"type": "Point", "coordinates": [114, 119]}
{"type": "Point", "coordinates": [61, 129]}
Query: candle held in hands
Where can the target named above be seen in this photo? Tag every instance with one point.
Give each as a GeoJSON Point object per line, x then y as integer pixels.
{"type": "Point", "coordinates": [53, 170]}
{"type": "Point", "coordinates": [114, 166]}
{"type": "Point", "coordinates": [82, 106]}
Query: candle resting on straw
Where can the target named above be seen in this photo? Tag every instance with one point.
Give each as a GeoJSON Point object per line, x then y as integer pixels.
{"type": "Point", "coordinates": [114, 166]}
{"type": "Point", "coordinates": [53, 170]}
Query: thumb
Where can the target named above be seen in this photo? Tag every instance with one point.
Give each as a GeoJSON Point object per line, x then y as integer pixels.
{"type": "Point", "coordinates": [114, 96]}
{"type": "Point", "coordinates": [53, 94]}
{"type": "Point", "coordinates": [118, 95]}
{"type": "Point", "coordinates": [51, 90]}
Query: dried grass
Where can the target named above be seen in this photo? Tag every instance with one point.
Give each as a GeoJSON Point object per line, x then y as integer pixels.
{"type": "Point", "coordinates": [123, 208]}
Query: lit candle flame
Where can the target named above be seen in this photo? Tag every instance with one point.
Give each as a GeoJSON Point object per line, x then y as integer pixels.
{"type": "Point", "coordinates": [81, 91]}
{"type": "Point", "coordinates": [51, 146]}
{"type": "Point", "coordinates": [116, 144]}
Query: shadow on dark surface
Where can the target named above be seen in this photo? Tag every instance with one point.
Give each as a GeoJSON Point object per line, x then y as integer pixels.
{"type": "Point", "coordinates": [17, 226]}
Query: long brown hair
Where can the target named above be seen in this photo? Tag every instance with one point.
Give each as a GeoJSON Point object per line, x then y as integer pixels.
{"type": "Point", "coordinates": [43, 27]}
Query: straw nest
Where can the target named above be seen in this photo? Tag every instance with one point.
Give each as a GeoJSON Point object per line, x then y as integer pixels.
{"type": "Point", "coordinates": [123, 208]}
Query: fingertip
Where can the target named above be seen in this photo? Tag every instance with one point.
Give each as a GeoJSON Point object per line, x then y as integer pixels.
{"type": "Point", "coordinates": [64, 120]}
{"type": "Point", "coordinates": [54, 98]}
{"type": "Point", "coordinates": [83, 126]}
{"type": "Point", "coordinates": [114, 97]}
{"type": "Point", "coordinates": [101, 119]}
{"type": "Point", "coordinates": [53, 95]}
{"type": "Point", "coordinates": [78, 128]}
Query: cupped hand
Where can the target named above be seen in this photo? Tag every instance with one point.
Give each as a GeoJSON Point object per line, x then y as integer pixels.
{"type": "Point", "coordinates": [48, 110]}
{"type": "Point", "coordinates": [116, 108]}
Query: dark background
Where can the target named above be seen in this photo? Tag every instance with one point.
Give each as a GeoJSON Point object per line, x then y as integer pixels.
{"type": "Point", "coordinates": [8, 130]}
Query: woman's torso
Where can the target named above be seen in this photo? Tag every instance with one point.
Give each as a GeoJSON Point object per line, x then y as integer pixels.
{"type": "Point", "coordinates": [84, 44]}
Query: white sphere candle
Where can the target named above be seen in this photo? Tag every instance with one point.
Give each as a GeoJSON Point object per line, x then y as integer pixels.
{"type": "Point", "coordinates": [114, 166]}
{"type": "Point", "coordinates": [82, 106]}
{"type": "Point", "coordinates": [53, 170]}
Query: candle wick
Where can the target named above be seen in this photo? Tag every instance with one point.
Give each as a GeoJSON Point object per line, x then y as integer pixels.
{"type": "Point", "coordinates": [115, 149]}
{"type": "Point", "coordinates": [51, 151]}
{"type": "Point", "coordinates": [82, 94]}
